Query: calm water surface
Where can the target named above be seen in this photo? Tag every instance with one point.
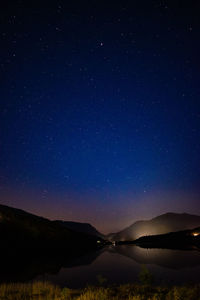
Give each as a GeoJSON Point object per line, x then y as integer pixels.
{"type": "Point", "coordinates": [122, 264]}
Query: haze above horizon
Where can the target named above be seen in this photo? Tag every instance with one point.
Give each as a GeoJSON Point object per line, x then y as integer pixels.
{"type": "Point", "coordinates": [100, 110]}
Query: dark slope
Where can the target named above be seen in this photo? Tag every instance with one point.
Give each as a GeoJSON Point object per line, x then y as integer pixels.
{"type": "Point", "coordinates": [80, 227]}
{"type": "Point", "coordinates": [19, 230]}
{"type": "Point", "coordinates": [162, 224]}
{"type": "Point", "coordinates": [185, 239]}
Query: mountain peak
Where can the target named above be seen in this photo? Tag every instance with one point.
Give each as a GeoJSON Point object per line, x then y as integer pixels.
{"type": "Point", "coordinates": [164, 223]}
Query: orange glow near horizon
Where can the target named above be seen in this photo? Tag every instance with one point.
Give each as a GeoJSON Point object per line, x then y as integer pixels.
{"type": "Point", "coordinates": [195, 234]}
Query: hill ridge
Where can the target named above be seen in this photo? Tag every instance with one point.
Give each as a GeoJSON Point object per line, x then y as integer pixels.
{"type": "Point", "coordinates": [161, 224]}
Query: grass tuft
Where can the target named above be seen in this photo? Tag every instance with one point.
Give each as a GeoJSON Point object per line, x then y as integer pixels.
{"type": "Point", "coordinates": [48, 291]}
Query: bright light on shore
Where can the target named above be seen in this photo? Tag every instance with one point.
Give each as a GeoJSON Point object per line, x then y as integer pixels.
{"type": "Point", "coordinates": [195, 234]}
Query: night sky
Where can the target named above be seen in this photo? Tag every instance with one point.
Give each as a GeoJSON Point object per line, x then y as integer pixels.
{"type": "Point", "coordinates": [100, 109]}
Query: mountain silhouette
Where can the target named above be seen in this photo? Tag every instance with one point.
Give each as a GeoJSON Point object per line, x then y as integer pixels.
{"type": "Point", "coordinates": [80, 227]}
{"type": "Point", "coordinates": [165, 223]}
{"type": "Point", "coordinates": [20, 230]}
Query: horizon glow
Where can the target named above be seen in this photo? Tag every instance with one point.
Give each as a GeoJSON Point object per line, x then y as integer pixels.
{"type": "Point", "coordinates": [100, 110]}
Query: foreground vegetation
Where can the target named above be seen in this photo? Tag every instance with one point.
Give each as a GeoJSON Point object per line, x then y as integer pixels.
{"type": "Point", "coordinates": [47, 291]}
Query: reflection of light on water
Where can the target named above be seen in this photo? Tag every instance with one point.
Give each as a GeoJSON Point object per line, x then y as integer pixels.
{"type": "Point", "coordinates": [122, 264]}
{"type": "Point", "coordinates": [164, 258]}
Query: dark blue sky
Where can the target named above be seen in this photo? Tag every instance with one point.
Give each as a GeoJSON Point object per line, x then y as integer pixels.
{"type": "Point", "coordinates": [100, 109]}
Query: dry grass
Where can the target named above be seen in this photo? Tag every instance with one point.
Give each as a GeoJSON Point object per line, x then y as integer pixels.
{"type": "Point", "coordinates": [47, 291]}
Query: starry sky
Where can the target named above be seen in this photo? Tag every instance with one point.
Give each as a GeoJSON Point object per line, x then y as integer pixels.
{"type": "Point", "coordinates": [100, 109]}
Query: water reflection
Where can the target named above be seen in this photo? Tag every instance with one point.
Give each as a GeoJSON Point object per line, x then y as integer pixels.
{"type": "Point", "coordinates": [22, 267]}
{"type": "Point", "coordinates": [121, 264]}
{"type": "Point", "coordinates": [173, 259]}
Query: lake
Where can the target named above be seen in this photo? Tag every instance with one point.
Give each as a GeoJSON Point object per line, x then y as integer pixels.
{"type": "Point", "coordinates": [122, 264]}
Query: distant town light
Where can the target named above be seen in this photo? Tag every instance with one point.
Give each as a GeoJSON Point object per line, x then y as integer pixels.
{"type": "Point", "coordinates": [195, 234]}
